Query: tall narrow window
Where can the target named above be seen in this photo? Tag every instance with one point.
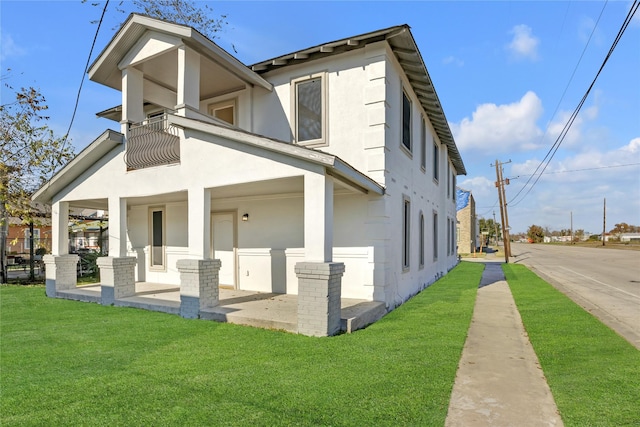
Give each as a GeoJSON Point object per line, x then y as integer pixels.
{"type": "Point", "coordinates": [27, 239]}
{"type": "Point", "coordinates": [406, 121]}
{"type": "Point", "coordinates": [436, 161]}
{"type": "Point", "coordinates": [310, 111]}
{"type": "Point", "coordinates": [423, 146]}
{"type": "Point", "coordinates": [453, 180]}
{"type": "Point", "coordinates": [435, 236]}
{"type": "Point", "coordinates": [406, 236]}
{"type": "Point", "coordinates": [453, 236]}
{"type": "Point", "coordinates": [157, 238]}
{"type": "Point", "coordinates": [421, 260]}
{"type": "Point", "coordinates": [448, 236]}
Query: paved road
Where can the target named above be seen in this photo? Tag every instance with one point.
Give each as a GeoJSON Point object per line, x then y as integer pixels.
{"type": "Point", "coordinates": [606, 282]}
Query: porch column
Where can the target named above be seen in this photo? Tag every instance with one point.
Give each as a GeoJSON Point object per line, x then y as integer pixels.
{"type": "Point", "coordinates": [117, 271]}
{"type": "Point", "coordinates": [319, 292]}
{"type": "Point", "coordinates": [198, 285]}
{"type": "Point", "coordinates": [61, 267]}
{"type": "Point", "coordinates": [318, 217]}
{"type": "Point", "coordinates": [132, 98]}
{"type": "Point", "coordinates": [188, 81]}
{"type": "Point", "coordinates": [61, 272]}
{"type": "Point", "coordinates": [117, 278]}
{"type": "Point", "coordinates": [60, 228]}
{"type": "Point", "coordinates": [199, 217]}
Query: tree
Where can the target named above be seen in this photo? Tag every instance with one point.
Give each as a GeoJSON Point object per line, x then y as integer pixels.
{"type": "Point", "coordinates": [489, 226]}
{"type": "Point", "coordinates": [184, 12]}
{"type": "Point", "coordinates": [29, 155]}
{"type": "Point", "coordinates": [535, 233]}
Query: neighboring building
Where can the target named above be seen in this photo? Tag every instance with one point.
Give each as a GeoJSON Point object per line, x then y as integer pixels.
{"type": "Point", "coordinates": [335, 159]}
{"type": "Point", "coordinates": [630, 237]}
{"type": "Point", "coordinates": [468, 227]}
{"type": "Point", "coordinates": [18, 237]}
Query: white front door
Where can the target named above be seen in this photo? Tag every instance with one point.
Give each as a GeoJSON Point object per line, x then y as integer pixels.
{"type": "Point", "coordinates": [223, 229]}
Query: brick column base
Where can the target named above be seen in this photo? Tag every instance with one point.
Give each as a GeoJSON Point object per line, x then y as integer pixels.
{"type": "Point", "coordinates": [198, 285]}
{"type": "Point", "coordinates": [61, 273]}
{"type": "Point", "coordinates": [319, 292]}
{"type": "Point", "coordinates": [117, 278]}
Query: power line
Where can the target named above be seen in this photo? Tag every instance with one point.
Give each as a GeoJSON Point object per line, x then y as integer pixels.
{"type": "Point", "coordinates": [84, 72]}
{"type": "Point", "coordinates": [590, 169]}
{"type": "Point", "coordinates": [554, 148]}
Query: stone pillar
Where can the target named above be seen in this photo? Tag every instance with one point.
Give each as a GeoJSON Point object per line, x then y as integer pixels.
{"type": "Point", "coordinates": [117, 278]}
{"type": "Point", "coordinates": [61, 273]}
{"type": "Point", "coordinates": [198, 285]}
{"type": "Point", "coordinates": [319, 291]}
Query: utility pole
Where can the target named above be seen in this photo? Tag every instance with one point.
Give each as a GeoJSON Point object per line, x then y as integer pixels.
{"type": "Point", "coordinates": [500, 183]}
{"type": "Point", "coordinates": [572, 227]}
{"type": "Point", "coordinates": [604, 220]}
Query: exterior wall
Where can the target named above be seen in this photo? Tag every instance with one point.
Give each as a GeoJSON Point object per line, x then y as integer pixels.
{"type": "Point", "coordinates": [16, 239]}
{"type": "Point", "coordinates": [467, 228]}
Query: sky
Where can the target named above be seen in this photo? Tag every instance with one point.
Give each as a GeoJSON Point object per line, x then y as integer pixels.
{"type": "Point", "coordinates": [509, 75]}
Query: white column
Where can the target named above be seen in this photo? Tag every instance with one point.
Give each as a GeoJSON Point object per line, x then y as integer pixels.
{"type": "Point", "coordinates": [117, 227]}
{"type": "Point", "coordinates": [60, 228]}
{"type": "Point", "coordinates": [188, 79]}
{"type": "Point", "coordinates": [132, 97]}
{"type": "Point", "coordinates": [199, 223]}
{"type": "Point", "coordinates": [318, 217]}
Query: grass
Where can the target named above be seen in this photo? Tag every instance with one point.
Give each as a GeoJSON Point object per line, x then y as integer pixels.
{"type": "Point", "coordinates": [70, 363]}
{"type": "Point", "coordinates": [593, 373]}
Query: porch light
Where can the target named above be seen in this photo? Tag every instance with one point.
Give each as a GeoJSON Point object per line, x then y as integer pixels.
{"type": "Point", "coordinates": [245, 217]}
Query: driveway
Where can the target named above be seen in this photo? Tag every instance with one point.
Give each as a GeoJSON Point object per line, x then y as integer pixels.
{"type": "Point", "coordinates": [606, 282]}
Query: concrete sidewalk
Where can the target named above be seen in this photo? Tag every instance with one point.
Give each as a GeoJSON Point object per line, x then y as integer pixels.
{"type": "Point", "coordinates": [499, 380]}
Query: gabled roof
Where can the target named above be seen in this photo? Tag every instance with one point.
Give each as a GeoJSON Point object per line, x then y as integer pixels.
{"type": "Point", "coordinates": [105, 68]}
{"type": "Point", "coordinates": [80, 163]}
{"type": "Point", "coordinates": [406, 51]}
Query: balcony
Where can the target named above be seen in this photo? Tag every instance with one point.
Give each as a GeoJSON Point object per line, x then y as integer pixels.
{"type": "Point", "coordinates": [153, 142]}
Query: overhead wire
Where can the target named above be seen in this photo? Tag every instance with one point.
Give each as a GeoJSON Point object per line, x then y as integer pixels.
{"type": "Point", "coordinates": [555, 111]}
{"type": "Point", "coordinates": [565, 130]}
{"type": "Point", "coordinates": [84, 72]}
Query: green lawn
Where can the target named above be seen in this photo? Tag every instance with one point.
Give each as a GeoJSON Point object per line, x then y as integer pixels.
{"type": "Point", "coordinates": [71, 363]}
{"type": "Point", "coordinates": [593, 373]}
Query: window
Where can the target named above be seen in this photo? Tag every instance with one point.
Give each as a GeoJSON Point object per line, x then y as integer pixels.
{"type": "Point", "coordinates": [448, 236]}
{"type": "Point", "coordinates": [453, 236]}
{"type": "Point", "coordinates": [225, 111]}
{"type": "Point", "coordinates": [421, 249]}
{"type": "Point", "coordinates": [453, 185]}
{"type": "Point", "coordinates": [27, 240]}
{"type": "Point", "coordinates": [436, 161]}
{"type": "Point", "coordinates": [435, 236]}
{"type": "Point", "coordinates": [310, 111]}
{"type": "Point", "coordinates": [448, 180]}
{"type": "Point", "coordinates": [406, 121]}
{"type": "Point", "coordinates": [406, 230]}
{"type": "Point", "coordinates": [423, 146]}
{"type": "Point", "coordinates": [156, 238]}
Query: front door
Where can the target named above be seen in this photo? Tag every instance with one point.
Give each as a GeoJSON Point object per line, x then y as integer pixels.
{"type": "Point", "coordinates": [223, 230]}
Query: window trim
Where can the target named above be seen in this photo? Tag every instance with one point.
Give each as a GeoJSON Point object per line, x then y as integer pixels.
{"type": "Point", "coordinates": [423, 146]}
{"type": "Point", "coordinates": [221, 105]}
{"type": "Point", "coordinates": [323, 141]}
{"type": "Point", "coordinates": [406, 233]}
{"type": "Point", "coordinates": [163, 266]}
{"type": "Point", "coordinates": [435, 236]}
{"type": "Point", "coordinates": [27, 242]}
{"type": "Point", "coordinates": [409, 135]}
{"type": "Point", "coordinates": [421, 251]}
{"type": "Point", "coordinates": [436, 161]}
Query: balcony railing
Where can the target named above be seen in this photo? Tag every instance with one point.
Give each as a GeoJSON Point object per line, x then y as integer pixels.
{"type": "Point", "coordinates": [153, 142]}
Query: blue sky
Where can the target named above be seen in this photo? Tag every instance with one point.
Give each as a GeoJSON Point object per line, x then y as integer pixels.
{"type": "Point", "coordinates": [508, 73]}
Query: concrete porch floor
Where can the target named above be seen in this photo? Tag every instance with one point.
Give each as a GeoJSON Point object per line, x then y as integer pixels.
{"type": "Point", "coordinates": [262, 310]}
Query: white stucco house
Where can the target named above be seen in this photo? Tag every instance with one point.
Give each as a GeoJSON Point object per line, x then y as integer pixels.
{"type": "Point", "coordinates": [329, 172]}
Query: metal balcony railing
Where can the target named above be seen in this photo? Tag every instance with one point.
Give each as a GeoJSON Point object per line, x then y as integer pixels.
{"type": "Point", "coordinates": [153, 142]}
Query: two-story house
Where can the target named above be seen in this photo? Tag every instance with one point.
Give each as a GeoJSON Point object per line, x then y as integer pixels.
{"type": "Point", "coordinates": [329, 172]}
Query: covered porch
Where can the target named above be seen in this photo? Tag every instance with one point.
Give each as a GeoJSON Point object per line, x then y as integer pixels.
{"type": "Point", "coordinates": [258, 309]}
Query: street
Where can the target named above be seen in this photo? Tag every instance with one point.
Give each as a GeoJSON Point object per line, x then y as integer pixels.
{"type": "Point", "coordinates": [606, 282]}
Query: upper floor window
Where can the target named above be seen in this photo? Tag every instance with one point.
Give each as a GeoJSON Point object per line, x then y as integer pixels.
{"type": "Point", "coordinates": [225, 111]}
{"type": "Point", "coordinates": [310, 110]}
{"type": "Point", "coordinates": [406, 121]}
{"type": "Point", "coordinates": [423, 146]}
{"type": "Point", "coordinates": [436, 161]}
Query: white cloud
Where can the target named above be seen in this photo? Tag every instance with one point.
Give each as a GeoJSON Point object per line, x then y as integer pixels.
{"type": "Point", "coordinates": [501, 128]}
{"type": "Point", "coordinates": [9, 48]}
{"type": "Point", "coordinates": [453, 60]}
{"type": "Point", "coordinates": [523, 45]}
